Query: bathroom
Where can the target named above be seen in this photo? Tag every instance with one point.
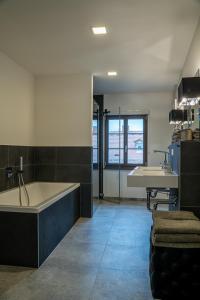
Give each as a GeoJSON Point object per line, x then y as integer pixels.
{"type": "Point", "coordinates": [71, 225]}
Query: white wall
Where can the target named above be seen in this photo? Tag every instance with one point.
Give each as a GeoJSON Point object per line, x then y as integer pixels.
{"type": "Point", "coordinates": [157, 105]}
{"type": "Point", "coordinates": [63, 110]}
{"type": "Point", "coordinates": [16, 104]}
{"type": "Point", "coordinates": [192, 63]}
{"type": "Point", "coordinates": [51, 110]}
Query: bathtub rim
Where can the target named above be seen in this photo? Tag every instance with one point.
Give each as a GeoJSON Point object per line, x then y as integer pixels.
{"type": "Point", "coordinates": [44, 204]}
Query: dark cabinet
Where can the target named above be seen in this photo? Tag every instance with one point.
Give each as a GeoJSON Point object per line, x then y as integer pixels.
{"type": "Point", "coordinates": [185, 161]}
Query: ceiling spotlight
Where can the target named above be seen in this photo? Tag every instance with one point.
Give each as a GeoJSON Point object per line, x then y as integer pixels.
{"type": "Point", "coordinates": [112, 73]}
{"type": "Point", "coordinates": [99, 30]}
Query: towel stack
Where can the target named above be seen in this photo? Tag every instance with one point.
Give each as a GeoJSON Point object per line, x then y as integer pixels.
{"type": "Point", "coordinates": [196, 134]}
{"type": "Point", "coordinates": [179, 229]}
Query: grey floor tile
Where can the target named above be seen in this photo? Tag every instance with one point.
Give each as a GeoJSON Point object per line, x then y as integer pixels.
{"type": "Point", "coordinates": [10, 276]}
{"type": "Point", "coordinates": [121, 285]}
{"type": "Point", "coordinates": [76, 256]}
{"type": "Point", "coordinates": [105, 211]}
{"type": "Point", "coordinates": [122, 236]}
{"type": "Point", "coordinates": [102, 223]}
{"type": "Point", "coordinates": [53, 283]}
{"type": "Point", "coordinates": [90, 235]}
{"type": "Point", "coordinates": [121, 257]}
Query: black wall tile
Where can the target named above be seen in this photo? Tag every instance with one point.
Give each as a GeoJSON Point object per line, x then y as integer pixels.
{"type": "Point", "coordinates": [74, 155]}
{"type": "Point", "coordinates": [14, 153]}
{"type": "Point", "coordinates": [3, 183]}
{"type": "Point", "coordinates": [29, 174]}
{"type": "Point", "coordinates": [45, 155]}
{"type": "Point", "coordinates": [30, 156]}
{"type": "Point", "coordinates": [45, 173]}
{"type": "Point", "coordinates": [73, 173]}
{"type": "Point", "coordinates": [3, 156]}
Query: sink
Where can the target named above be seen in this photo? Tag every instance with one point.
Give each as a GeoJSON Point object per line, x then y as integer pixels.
{"type": "Point", "coordinates": [152, 177]}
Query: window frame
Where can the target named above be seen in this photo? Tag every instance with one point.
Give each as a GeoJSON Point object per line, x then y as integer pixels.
{"type": "Point", "coordinates": [126, 165]}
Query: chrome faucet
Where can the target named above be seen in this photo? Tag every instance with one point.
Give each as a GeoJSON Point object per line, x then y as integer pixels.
{"type": "Point", "coordinates": [165, 164]}
{"type": "Point", "coordinates": [21, 182]}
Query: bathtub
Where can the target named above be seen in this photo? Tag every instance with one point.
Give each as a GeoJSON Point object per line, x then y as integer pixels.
{"type": "Point", "coordinates": [41, 194]}
{"type": "Point", "coordinates": [29, 233]}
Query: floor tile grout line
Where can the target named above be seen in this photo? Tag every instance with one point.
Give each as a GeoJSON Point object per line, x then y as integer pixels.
{"type": "Point", "coordinates": [104, 248]}
{"type": "Point", "coordinates": [98, 268]}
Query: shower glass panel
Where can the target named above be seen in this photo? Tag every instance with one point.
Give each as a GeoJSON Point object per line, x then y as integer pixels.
{"type": "Point", "coordinates": [125, 148]}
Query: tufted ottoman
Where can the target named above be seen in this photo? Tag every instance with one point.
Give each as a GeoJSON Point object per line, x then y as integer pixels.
{"type": "Point", "coordinates": [174, 266]}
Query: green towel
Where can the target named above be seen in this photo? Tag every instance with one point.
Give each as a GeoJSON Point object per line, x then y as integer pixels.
{"type": "Point", "coordinates": [166, 226]}
{"type": "Point", "coordinates": [177, 238]}
{"type": "Point", "coordinates": [174, 215]}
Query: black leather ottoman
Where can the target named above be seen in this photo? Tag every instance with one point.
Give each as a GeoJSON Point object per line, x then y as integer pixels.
{"type": "Point", "coordinates": [174, 272]}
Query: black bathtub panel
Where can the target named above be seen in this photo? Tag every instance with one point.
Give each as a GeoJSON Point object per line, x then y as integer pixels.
{"type": "Point", "coordinates": [18, 239]}
{"type": "Point", "coordinates": [56, 221]}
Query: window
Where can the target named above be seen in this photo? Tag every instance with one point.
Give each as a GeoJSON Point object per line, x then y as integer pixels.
{"type": "Point", "coordinates": [126, 141]}
{"type": "Point", "coordinates": [95, 141]}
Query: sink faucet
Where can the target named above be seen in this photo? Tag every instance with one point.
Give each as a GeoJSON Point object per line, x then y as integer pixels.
{"type": "Point", "coordinates": [165, 164]}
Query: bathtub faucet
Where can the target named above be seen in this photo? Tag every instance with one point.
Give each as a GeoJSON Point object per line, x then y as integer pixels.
{"type": "Point", "coordinates": [21, 182]}
{"type": "Point", "coordinates": [21, 164]}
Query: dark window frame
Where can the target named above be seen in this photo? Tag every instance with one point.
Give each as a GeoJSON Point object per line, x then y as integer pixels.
{"type": "Point", "coordinates": [126, 165]}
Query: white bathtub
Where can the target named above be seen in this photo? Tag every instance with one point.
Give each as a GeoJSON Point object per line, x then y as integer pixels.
{"type": "Point", "coordinates": [41, 194]}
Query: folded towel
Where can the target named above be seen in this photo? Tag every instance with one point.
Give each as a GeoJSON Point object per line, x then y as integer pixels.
{"type": "Point", "coordinates": [176, 245]}
{"type": "Point", "coordinates": [177, 238]}
{"type": "Point", "coordinates": [176, 226]}
{"type": "Point", "coordinates": [174, 215]}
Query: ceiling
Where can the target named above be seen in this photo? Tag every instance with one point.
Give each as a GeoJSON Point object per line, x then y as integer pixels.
{"type": "Point", "coordinates": [147, 41]}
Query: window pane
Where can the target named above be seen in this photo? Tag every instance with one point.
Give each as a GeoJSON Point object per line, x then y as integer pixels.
{"type": "Point", "coordinates": [135, 125]}
{"type": "Point", "coordinates": [94, 141]}
{"type": "Point", "coordinates": [94, 126]}
{"type": "Point", "coordinates": [94, 156]}
{"type": "Point", "coordinates": [135, 141]}
{"type": "Point", "coordinates": [94, 133]}
{"type": "Point", "coordinates": [135, 156]}
{"type": "Point", "coordinates": [114, 142]}
{"type": "Point", "coordinates": [114, 125]}
{"type": "Point", "coordinates": [113, 156]}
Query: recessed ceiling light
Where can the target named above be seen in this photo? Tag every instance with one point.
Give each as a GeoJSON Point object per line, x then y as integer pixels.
{"type": "Point", "coordinates": [112, 73]}
{"type": "Point", "coordinates": [99, 30]}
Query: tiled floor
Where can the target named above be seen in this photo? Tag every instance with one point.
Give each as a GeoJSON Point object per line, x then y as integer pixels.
{"type": "Point", "coordinates": [101, 258]}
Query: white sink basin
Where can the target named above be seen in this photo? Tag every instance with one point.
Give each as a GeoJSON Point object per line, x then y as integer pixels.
{"type": "Point", "coordinates": [152, 177]}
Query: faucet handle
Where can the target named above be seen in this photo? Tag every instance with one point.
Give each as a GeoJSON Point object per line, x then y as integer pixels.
{"type": "Point", "coordinates": [9, 172]}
